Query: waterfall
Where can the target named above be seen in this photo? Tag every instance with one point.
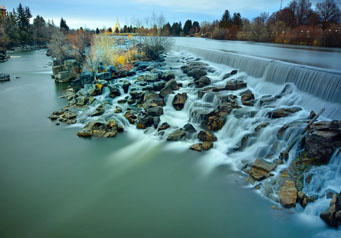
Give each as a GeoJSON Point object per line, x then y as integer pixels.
{"type": "Point", "coordinates": [319, 87]}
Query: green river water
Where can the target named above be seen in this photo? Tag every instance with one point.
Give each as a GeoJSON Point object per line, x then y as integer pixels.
{"type": "Point", "coordinates": [54, 184]}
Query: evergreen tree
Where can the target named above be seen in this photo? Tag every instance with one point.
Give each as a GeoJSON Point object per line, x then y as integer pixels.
{"type": "Point", "coordinates": [187, 27]}
{"type": "Point", "coordinates": [225, 21]}
{"type": "Point", "coordinates": [63, 25]}
{"type": "Point", "coordinates": [97, 31]}
{"type": "Point", "coordinates": [237, 20]}
{"type": "Point", "coordinates": [196, 27]}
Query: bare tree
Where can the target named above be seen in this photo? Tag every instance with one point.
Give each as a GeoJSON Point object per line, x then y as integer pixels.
{"type": "Point", "coordinates": [329, 13]}
{"type": "Point", "coordinates": [301, 9]}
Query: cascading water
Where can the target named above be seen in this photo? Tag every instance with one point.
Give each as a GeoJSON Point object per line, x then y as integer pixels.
{"type": "Point", "coordinates": [321, 88]}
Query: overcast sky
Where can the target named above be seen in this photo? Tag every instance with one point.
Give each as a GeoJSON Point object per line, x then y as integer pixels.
{"type": "Point", "coordinates": [103, 13]}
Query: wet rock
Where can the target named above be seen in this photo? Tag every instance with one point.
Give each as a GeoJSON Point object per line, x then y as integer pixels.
{"type": "Point", "coordinates": [215, 122]}
{"type": "Point", "coordinates": [122, 101]}
{"type": "Point", "coordinates": [131, 117]}
{"type": "Point", "coordinates": [219, 88]}
{"type": "Point", "coordinates": [99, 111]}
{"type": "Point", "coordinates": [196, 147]}
{"type": "Point", "coordinates": [152, 100]}
{"type": "Point", "coordinates": [206, 136]}
{"type": "Point", "coordinates": [131, 101]}
{"type": "Point", "coordinates": [145, 122]}
{"type": "Point", "coordinates": [84, 133]}
{"type": "Point", "coordinates": [189, 128]}
{"type": "Point", "coordinates": [4, 77]}
{"type": "Point", "coordinates": [233, 72]}
{"type": "Point", "coordinates": [159, 86]}
{"type": "Point", "coordinates": [103, 76]}
{"type": "Point", "coordinates": [261, 169]}
{"type": "Point", "coordinates": [81, 100]}
{"type": "Point", "coordinates": [261, 126]}
{"type": "Point", "coordinates": [282, 130]}
{"type": "Point", "coordinates": [235, 84]}
{"type": "Point", "coordinates": [179, 101]}
{"type": "Point", "coordinates": [202, 82]}
{"type": "Point", "coordinates": [332, 216]}
{"type": "Point", "coordinates": [155, 111]}
{"type": "Point", "coordinates": [118, 109]}
{"type": "Point", "coordinates": [167, 76]}
{"type": "Point", "coordinates": [164, 126]}
{"type": "Point", "coordinates": [283, 112]}
{"type": "Point", "coordinates": [197, 73]}
{"type": "Point", "coordinates": [137, 95]}
{"type": "Point", "coordinates": [207, 145]}
{"type": "Point", "coordinates": [266, 100]}
{"type": "Point", "coordinates": [288, 194]}
{"type": "Point", "coordinates": [177, 135]}
{"type": "Point", "coordinates": [114, 91]}
{"type": "Point", "coordinates": [126, 86]}
{"type": "Point", "coordinates": [322, 141]}
{"type": "Point", "coordinates": [247, 98]}
{"type": "Point", "coordinates": [156, 121]}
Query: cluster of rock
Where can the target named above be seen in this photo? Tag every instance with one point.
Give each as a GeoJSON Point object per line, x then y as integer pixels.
{"type": "Point", "coordinates": [3, 56]}
{"type": "Point", "coordinates": [145, 89]}
{"type": "Point", "coordinates": [4, 77]}
{"type": "Point", "coordinates": [332, 216]}
{"type": "Point", "coordinates": [65, 71]}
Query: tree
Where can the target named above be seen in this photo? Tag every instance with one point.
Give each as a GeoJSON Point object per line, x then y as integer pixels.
{"type": "Point", "coordinates": [187, 27]}
{"type": "Point", "coordinates": [109, 30]}
{"type": "Point", "coordinates": [301, 9]}
{"type": "Point", "coordinates": [226, 20]}
{"type": "Point", "coordinates": [328, 12]}
{"type": "Point", "coordinates": [63, 26]}
{"type": "Point", "coordinates": [196, 27]}
{"type": "Point", "coordinates": [39, 29]}
{"type": "Point", "coordinates": [166, 29]}
{"type": "Point", "coordinates": [97, 31]}
{"type": "Point", "coordinates": [237, 20]}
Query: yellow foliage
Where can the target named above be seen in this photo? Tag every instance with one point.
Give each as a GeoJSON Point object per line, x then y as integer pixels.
{"type": "Point", "coordinates": [99, 86]}
{"type": "Point", "coordinates": [316, 43]}
{"type": "Point", "coordinates": [130, 36]}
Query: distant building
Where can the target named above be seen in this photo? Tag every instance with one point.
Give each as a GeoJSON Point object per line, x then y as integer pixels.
{"type": "Point", "coordinates": [117, 27]}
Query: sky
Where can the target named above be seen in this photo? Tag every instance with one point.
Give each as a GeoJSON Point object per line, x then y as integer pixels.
{"type": "Point", "coordinates": [103, 13]}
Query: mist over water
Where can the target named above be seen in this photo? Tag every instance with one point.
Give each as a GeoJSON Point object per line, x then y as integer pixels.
{"type": "Point", "coordinates": [55, 184]}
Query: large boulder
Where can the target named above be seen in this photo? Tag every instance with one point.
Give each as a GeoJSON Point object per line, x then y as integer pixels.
{"type": "Point", "coordinates": [288, 194]}
{"type": "Point", "coordinates": [145, 122]}
{"type": "Point", "coordinates": [235, 84]}
{"type": "Point", "coordinates": [332, 216]}
{"type": "Point", "coordinates": [163, 126]}
{"type": "Point", "coordinates": [179, 101]}
{"type": "Point", "coordinates": [247, 98]}
{"type": "Point", "coordinates": [99, 111]}
{"type": "Point", "coordinates": [283, 112]}
{"type": "Point", "coordinates": [261, 169]}
{"type": "Point", "coordinates": [177, 135]}
{"type": "Point", "coordinates": [206, 136]}
{"type": "Point", "coordinates": [322, 140]}
{"type": "Point", "coordinates": [169, 87]}
{"type": "Point", "coordinates": [197, 73]}
{"type": "Point", "coordinates": [114, 91]}
{"type": "Point", "coordinates": [166, 76]}
{"type": "Point", "coordinates": [202, 82]}
{"type": "Point", "coordinates": [155, 111]}
{"type": "Point", "coordinates": [4, 77]}
{"type": "Point", "coordinates": [64, 76]}
{"type": "Point", "coordinates": [130, 116]}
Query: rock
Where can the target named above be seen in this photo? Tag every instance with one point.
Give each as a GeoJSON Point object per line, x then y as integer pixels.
{"type": "Point", "coordinates": [155, 111]}
{"type": "Point", "coordinates": [137, 95]}
{"type": "Point", "coordinates": [145, 122]}
{"type": "Point", "coordinates": [266, 100]}
{"type": "Point", "coordinates": [235, 84]}
{"type": "Point", "coordinates": [288, 194]}
{"type": "Point", "coordinates": [131, 101]}
{"type": "Point", "coordinates": [247, 98]}
{"type": "Point", "coordinates": [233, 72]}
{"type": "Point", "coordinates": [197, 73]}
{"type": "Point", "coordinates": [152, 100]}
{"type": "Point", "coordinates": [4, 77]}
{"type": "Point", "coordinates": [81, 100]}
{"type": "Point", "coordinates": [130, 116]}
{"type": "Point", "coordinates": [322, 140]}
{"type": "Point", "coordinates": [99, 111]}
{"type": "Point", "coordinates": [164, 126]}
{"type": "Point", "coordinates": [159, 86]}
{"type": "Point", "coordinates": [179, 101]}
{"type": "Point", "coordinates": [332, 216]}
{"type": "Point", "coordinates": [84, 133]}
{"type": "Point", "coordinates": [103, 76]}
{"type": "Point", "coordinates": [189, 128]}
{"type": "Point", "coordinates": [196, 147]}
{"type": "Point", "coordinates": [64, 76]}
{"type": "Point", "coordinates": [261, 169]}
{"type": "Point", "coordinates": [114, 91]}
{"type": "Point", "coordinates": [126, 86]}
{"type": "Point", "coordinates": [176, 135]}
{"type": "Point", "coordinates": [261, 126]}
{"type": "Point", "coordinates": [283, 112]}
{"type": "Point", "coordinates": [207, 145]}
{"type": "Point", "coordinates": [206, 136]}
{"type": "Point", "coordinates": [166, 76]}
{"type": "Point", "coordinates": [169, 87]}
{"type": "Point", "coordinates": [202, 82]}
{"type": "Point", "coordinates": [122, 101]}
{"type": "Point", "coordinates": [118, 109]}
{"type": "Point", "coordinates": [110, 134]}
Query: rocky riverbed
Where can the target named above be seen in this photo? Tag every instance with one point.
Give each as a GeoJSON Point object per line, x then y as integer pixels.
{"type": "Point", "coordinates": [182, 99]}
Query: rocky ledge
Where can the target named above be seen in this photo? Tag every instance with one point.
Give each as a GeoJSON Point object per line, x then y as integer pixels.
{"type": "Point", "coordinates": [4, 77]}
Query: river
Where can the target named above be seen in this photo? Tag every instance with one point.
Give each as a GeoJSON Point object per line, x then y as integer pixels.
{"type": "Point", "coordinates": [54, 184]}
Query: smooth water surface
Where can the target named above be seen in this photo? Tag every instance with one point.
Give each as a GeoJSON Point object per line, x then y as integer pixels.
{"type": "Point", "coordinates": [54, 184]}
{"type": "Point", "coordinates": [328, 58]}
